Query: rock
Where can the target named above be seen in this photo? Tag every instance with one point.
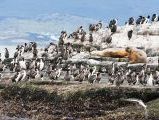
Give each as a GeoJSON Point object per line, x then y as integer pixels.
{"type": "Point", "coordinates": [28, 55]}
{"type": "Point", "coordinates": [98, 63]}
{"type": "Point", "coordinates": [67, 118]}
{"type": "Point", "coordinates": [82, 55]}
{"type": "Point", "coordinates": [149, 32]}
{"type": "Point", "coordinates": [152, 52]}
{"type": "Point", "coordinates": [152, 61]}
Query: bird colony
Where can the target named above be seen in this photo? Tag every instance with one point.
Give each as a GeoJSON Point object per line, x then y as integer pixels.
{"type": "Point", "coordinates": [70, 60]}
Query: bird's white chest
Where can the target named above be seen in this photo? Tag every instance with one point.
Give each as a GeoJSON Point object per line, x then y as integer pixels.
{"type": "Point", "coordinates": [22, 64]}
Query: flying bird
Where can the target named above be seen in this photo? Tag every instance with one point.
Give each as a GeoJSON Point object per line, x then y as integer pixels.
{"type": "Point", "coordinates": [140, 102]}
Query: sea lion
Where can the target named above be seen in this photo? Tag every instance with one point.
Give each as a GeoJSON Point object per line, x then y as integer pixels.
{"type": "Point", "coordinates": [136, 55]}
{"type": "Point", "coordinates": [111, 52]}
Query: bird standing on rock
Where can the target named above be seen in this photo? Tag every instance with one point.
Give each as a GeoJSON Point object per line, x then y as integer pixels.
{"type": "Point", "coordinates": [19, 77]}
{"type": "Point", "coordinates": [150, 80]}
{"type": "Point", "coordinates": [130, 34]}
{"type": "Point", "coordinates": [90, 38]}
{"type": "Point", "coordinates": [113, 29]}
{"type": "Point", "coordinates": [67, 76]}
{"type": "Point", "coordinates": [38, 75]}
{"type": "Point", "coordinates": [6, 53]}
{"type": "Point", "coordinates": [35, 52]}
{"type": "Point", "coordinates": [2, 66]}
{"type": "Point", "coordinates": [58, 73]}
{"type": "Point", "coordinates": [154, 18]}
{"type": "Point", "coordinates": [91, 76]}
{"type": "Point", "coordinates": [41, 64]}
{"type": "Point", "coordinates": [22, 64]}
{"type": "Point", "coordinates": [147, 19]}
{"type": "Point", "coordinates": [16, 54]}
{"type": "Point", "coordinates": [131, 21]}
{"type": "Point", "coordinates": [98, 77]}
{"type": "Point", "coordinates": [25, 77]}
{"type": "Point", "coordinates": [83, 37]}
{"type": "Point", "coordinates": [108, 40]}
{"type": "Point", "coordinates": [99, 24]}
{"type": "Point", "coordinates": [80, 30]}
{"type": "Point", "coordinates": [113, 26]}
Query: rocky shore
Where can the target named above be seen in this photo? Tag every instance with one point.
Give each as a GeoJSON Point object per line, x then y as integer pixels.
{"type": "Point", "coordinates": [52, 101]}
{"type": "Point", "coordinates": [67, 82]}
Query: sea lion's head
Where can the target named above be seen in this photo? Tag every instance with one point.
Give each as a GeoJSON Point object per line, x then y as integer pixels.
{"type": "Point", "coordinates": [128, 49]}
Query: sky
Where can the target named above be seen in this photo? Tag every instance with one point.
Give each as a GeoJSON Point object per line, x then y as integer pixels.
{"type": "Point", "coordinates": [97, 9]}
{"type": "Point", "coordinates": [14, 30]}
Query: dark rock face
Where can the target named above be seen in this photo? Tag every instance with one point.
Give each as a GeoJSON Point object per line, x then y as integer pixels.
{"type": "Point", "coordinates": [29, 103]}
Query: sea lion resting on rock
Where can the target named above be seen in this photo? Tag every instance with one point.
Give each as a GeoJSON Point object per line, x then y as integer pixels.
{"type": "Point", "coordinates": [111, 52]}
{"type": "Point", "coordinates": [134, 55]}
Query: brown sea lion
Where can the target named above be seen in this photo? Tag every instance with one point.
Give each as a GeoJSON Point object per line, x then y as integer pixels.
{"type": "Point", "coordinates": [111, 52]}
{"type": "Point", "coordinates": [134, 55]}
